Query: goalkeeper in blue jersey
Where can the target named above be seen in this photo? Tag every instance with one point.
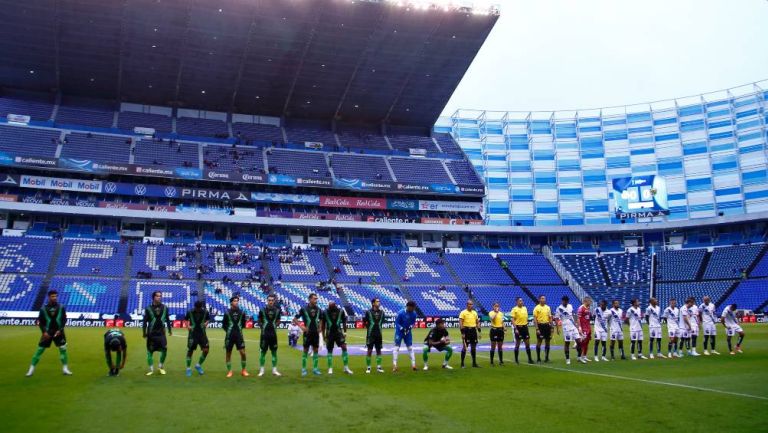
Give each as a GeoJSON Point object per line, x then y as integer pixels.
{"type": "Point", "coordinates": [403, 324]}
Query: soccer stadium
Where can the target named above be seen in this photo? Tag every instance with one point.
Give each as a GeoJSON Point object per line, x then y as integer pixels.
{"type": "Point", "coordinates": [266, 214]}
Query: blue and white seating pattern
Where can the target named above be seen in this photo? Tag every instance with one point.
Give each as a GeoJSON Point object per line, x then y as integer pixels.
{"type": "Point", "coordinates": [360, 295]}
{"type": "Point", "coordinates": [252, 299]}
{"type": "Point", "coordinates": [25, 255]}
{"type": "Point", "coordinates": [506, 296]}
{"type": "Point", "coordinates": [155, 258]}
{"type": "Point", "coordinates": [434, 301]}
{"type": "Point", "coordinates": [310, 267]}
{"type": "Point", "coordinates": [531, 268]}
{"type": "Point", "coordinates": [728, 262]}
{"type": "Point", "coordinates": [362, 266]}
{"type": "Point", "coordinates": [88, 294]}
{"type": "Point", "coordinates": [478, 269]}
{"type": "Point", "coordinates": [81, 257]}
{"type": "Point", "coordinates": [678, 265]}
{"type": "Point", "coordinates": [18, 292]}
{"type": "Point", "coordinates": [420, 268]}
{"type": "Point", "coordinates": [177, 295]}
{"type": "Point", "coordinates": [295, 296]}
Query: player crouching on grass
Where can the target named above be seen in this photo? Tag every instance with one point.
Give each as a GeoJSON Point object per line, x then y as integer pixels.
{"type": "Point", "coordinates": [437, 338]}
{"type": "Point", "coordinates": [51, 321]}
{"type": "Point", "coordinates": [114, 341]}
{"type": "Point", "coordinates": [728, 319]}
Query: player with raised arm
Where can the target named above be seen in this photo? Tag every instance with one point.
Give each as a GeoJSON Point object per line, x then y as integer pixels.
{"type": "Point", "coordinates": [310, 327]}
{"type": "Point", "coordinates": [708, 321]}
{"type": "Point", "coordinates": [404, 322]}
{"type": "Point", "coordinates": [438, 339]}
{"type": "Point", "coordinates": [333, 327]}
{"type": "Point", "coordinates": [114, 341]}
{"type": "Point", "coordinates": [233, 324]}
{"type": "Point", "coordinates": [542, 322]}
{"type": "Point", "coordinates": [570, 327]}
{"type": "Point", "coordinates": [197, 322]}
{"type": "Point", "coordinates": [672, 316]}
{"type": "Point", "coordinates": [693, 317]}
{"type": "Point", "coordinates": [617, 333]}
{"type": "Point", "coordinates": [51, 321]}
{"type": "Point", "coordinates": [268, 320]}
{"type": "Point", "coordinates": [469, 324]}
{"type": "Point", "coordinates": [636, 337]}
{"type": "Point", "coordinates": [520, 322]}
{"type": "Point", "coordinates": [153, 328]}
{"type": "Point", "coordinates": [497, 332]}
{"type": "Point", "coordinates": [584, 315]}
{"type": "Point", "coordinates": [602, 316]}
{"type": "Point", "coordinates": [373, 321]}
{"type": "Point", "coordinates": [653, 316]}
{"type": "Point", "coordinates": [732, 327]}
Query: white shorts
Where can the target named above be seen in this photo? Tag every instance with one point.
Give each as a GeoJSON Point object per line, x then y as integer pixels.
{"type": "Point", "coordinates": [709, 329]}
{"type": "Point", "coordinates": [683, 333]}
{"type": "Point", "coordinates": [618, 335]}
{"type": "Point", "coordinates": [601, 335]}
{"type": "Point", "coordinates": [636, 335]}
{"type": "Point", "coordinates": [672, 332]}
{"type": "Point", "coordinates": [694, 331]}
{"type": "Point", "coordinates": [733, 330]}
{"type": "Point", "coordinates": [655, 332]}
{"type": "Point", "coordinates": [571, 335]}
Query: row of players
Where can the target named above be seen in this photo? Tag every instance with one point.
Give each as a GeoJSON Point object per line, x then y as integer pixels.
{"type": "Point", "coordinates": [330, 326]}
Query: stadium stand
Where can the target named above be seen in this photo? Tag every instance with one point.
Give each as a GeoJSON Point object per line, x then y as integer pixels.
{"type": "Point", "coordinates": [166, 152]}
{"type": "Point", "coordinates": [127, 120]}
{"type": "Point", "coordinates": [419, 170]}
{"type": "Point", "coordinates": [749, 295]}
{"type": "Point", "coordinates": [162, 261]}
{"type": "Point", "coordinates": [89, 294]}
{"type": "Point", "coordinates": [426, 268]}
{"type": "Point", "coordinates": [92, 116]}
{"type": "Point", "coordinates": [97, 147]}
{"type": "Point", "coordinates": [439, 300]}
{"type": "Point", "coordinates": [360, 295]}
{"type": "Point", "coordinates": [195, 127]}
{"type": "Point", "coordinates": [505, 295]}
{"type": "Point", "coordinates": [257, 132]}
{"type": "Point", "coordinates": [699, 289]}
{"type": "Point", "coordinates": [297, 164]}
{"type": "Point", "coordinates": [354, 267]}
{"type": "Point", "coordinates": [23, 141]}
{"type": "Point", "coordinates": [362, 140]}
{"type": "Point", "coordinates": [26, 255]}
{"type": "Point", "coordinates": [463, 173]}
{"type": "Point", "coordinates": [628, 268]}
{"type": "Point", "coordinates": [584, 268]}
{"type": "Point", "coordinates": [308, 267]}
{"type": "Point", "coordinates": [234, 160]}
{"type": "Point", "coordinates": [92, 258]}
{"type": "Point", "coordinates": [18, 292]}
{"type": "Point", "coordinates": [177, 295]}
{"type": "Point", "coordinates": [351, 166]}
{"type": "Point", "coordinates": [478, 269]}
{"type": "Point", "coordinates": [681, 265]}
{"type": "Point", "coordinates": [531, 268]}
{"type": "Point", "coordinates": [730, 262]}
{"type": "Point", "coordinates": [37, 108]}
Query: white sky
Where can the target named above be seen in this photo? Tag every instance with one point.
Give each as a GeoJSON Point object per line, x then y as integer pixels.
{"type": "Point", "coordinates": [580, 54]}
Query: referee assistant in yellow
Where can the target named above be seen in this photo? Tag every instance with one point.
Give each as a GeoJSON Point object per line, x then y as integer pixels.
{"type": "Point", "coordinates": [497, 332]}
{"type": "Point", "coordinates": [520, 322]}
{"type": "Point", "coordinates": [542, 320]}
{"type": "Point", "coordinates": [470, 332]}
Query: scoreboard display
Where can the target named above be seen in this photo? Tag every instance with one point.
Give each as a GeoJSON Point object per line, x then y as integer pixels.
{"type": "Point", "coordinates": [640, 196]}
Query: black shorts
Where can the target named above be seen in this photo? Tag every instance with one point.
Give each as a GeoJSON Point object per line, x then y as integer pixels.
{"type": "Point", "coordinates": [546, 331]}
{"type": "Point", "coordinates": [497, 335]}
{"type": "Point", "coordinates": [156, 342]}
{"type": "Point", "coordinates": [59, 341]}
{"type": "Point", "coordinates": [335, 339]}
{"type": "Point", "coordinates": [374, 342]}
{"type": "Point", "coordinates": [311, 339]}
{"type": "Point", "coordinates": [522, 332]}
{"type": "Point", "coordinates": [469, 335]}
{"type": "Point", "coordinates": [197, 340]}
{"type": "Point", "coordinates": [268, 341]}
{"type": "Point", "coordinates": [236, 341]}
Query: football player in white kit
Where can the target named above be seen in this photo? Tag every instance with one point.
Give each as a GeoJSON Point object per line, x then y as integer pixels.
{"type": "Point", "coordinates": [616, 320]}
{"type": "Point", "coordinates": [707, 312]}
{"type": "Point", "coordinates": [570, 328]}
{"type": "Point", "coordinates": [602, 316]}
{"type": "Point", "coordinates": [693, 318]}
{"type": "Point", "coordinates": [728, 319]}
{"type": "Point", "coordinates": [672, 315]}
{"type": "Point", "coordinates": [653, 315]}
{"type": "Point", "coordinates": [635, 319]}
{"type": "Point", "coordinates": [684, 329]}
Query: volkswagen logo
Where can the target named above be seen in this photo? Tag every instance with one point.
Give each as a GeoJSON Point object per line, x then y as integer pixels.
{"type": "Point", "coordinates": [110, 188]}
{"type": "Point", "coordinates": [140, 189]}
{"type": "Point", "coordinates": [170, 191]}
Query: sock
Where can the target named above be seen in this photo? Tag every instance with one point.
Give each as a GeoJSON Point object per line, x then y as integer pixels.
{"type": "Point", "coordinates": [425, 354]}
{"type": "Point", "coordinates": [492, 354]}
{"type": "Point", "coordinates": [463, 355]}
{"type": "Point", "coordinates": [201, 360]}
{"type": "Point", "coordinates": [632, 347]}
{"type": "Point", "coordinates": [546, 352]}
{"type": "Point", "coordinates": [597, 345]}
{"type": "Point", "coordinates": [163, 354]}
{"type": "Point", "coordinates": [674, 346]}
{"type": "Point", "coordinates": [712, 342]}
{"type": "Point", "coordinates": [448, 354]}
{"type": "Point", "coordinates": [605, 344]}
{"type": "Point", "coordinates": [188, 360]}
{"type": "Point", "coordinates": [621, 348]}
{"type": "Point", "coordinates": [345, 358]}
{"type": "Point", "coordinates": [368, 361]}
{"type": "Point", "coordinates": [378, 360]}
{"type": "Point", "coordinates": [613, 355]}
{"type": "Point", "coordinates": [658, 345]}
{"type": "Point", "coordinates": [315, 358]}
{"type": "Point", "coordinates": [693, 341]}
{"type": "Point", "coordinates": [39, 352]}
{"type": "Point", "coordinates": [669, 347]}
{"type": "Point", "coordinates": [501, 354]}
{"type": "Point", "coordinates": [242, 364]}
{"type": "Point", "coordinates": [118, 359]}
{"type": "Point", "coordinates": [517, 352]}
{"type": "Point", "coordinates": [304, 360]}
{"type": "Point", "coordinates": [150, 359]}
{"type": "Point", "coordinates": [640, 348]}
{"type": "Point", "coordinates": [63, 356]}
{"type": "Point", "coordinates": [329, 360]}
{"type": "Point", "coordinates": [395, 350]}
{"type": "Point", "coordinates": [229, 366]}
{"type": "Point", "coordinates": [538, 352]}
{"type": "Point", "coordinates": [567, 350]}
{"type": "Point", "coordinates": [741, 338]}
{"type": "Point", "coordinates": [473, 351]}
{"type": "Point", "coordinates": [527, 352]}
{"type": "Point", "coordinates": [412, 355]}
{"type": "Point", "coordinates": [706, 341]}
{"type": "Point", "coordinates": [262, 358]}
{"type": "Point", "coordinates": [274, 358]}
{"type": "Point", "coordinates": [728, 339]}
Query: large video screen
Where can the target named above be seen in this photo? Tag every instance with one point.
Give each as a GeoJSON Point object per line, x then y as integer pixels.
{"type": "Point", "coordinates": [640, 196]}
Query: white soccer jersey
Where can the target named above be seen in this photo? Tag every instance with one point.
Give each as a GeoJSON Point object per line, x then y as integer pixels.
{"type": "Point", "coordinates": [635, 317]}
{"type": "Point", "coordinates": [617, 318]}
{"type": "Point", "coordinates": [601, 320]}
{"type": "Point", "coordinates": [565, 314]}
{"type": "Point", "coordinates": [693, 316]}
{"type": "Point", "coordinates": [730, 318]}
{"type": "Point", "coordinates": [685, 312]}
{"type": "Point", "coordinates": [708, 314]}
{"type": "Point", "coordinates": [654, 318]}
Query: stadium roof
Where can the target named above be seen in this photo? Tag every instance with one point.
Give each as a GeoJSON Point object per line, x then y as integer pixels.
{"type": "Point", "coordinates": [355, 61]}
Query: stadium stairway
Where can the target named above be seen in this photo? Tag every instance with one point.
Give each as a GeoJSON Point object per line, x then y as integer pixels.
{"type": "Point", "coordinates": [758, 259]}
{"type": "Point", "coordinates": [50, 273]}
{"type": "Point", "coordinates": [604, 271]}
{"type": "Point", "coordinates": [727, 293]}
{"type": "Point", "coordinates": [703, 267]}
{"type": "Point", "coordinates": [392, 270]}
{"type": "Point", "coordinates": [122, 305]}
{"type": "Point", "coordinates": [517, 282]}
{"type": "Point", "coordinates": [453, 273]}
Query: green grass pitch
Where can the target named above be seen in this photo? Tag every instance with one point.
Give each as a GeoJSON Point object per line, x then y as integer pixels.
{"type": "Point", "coordinates": [714, 394]}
